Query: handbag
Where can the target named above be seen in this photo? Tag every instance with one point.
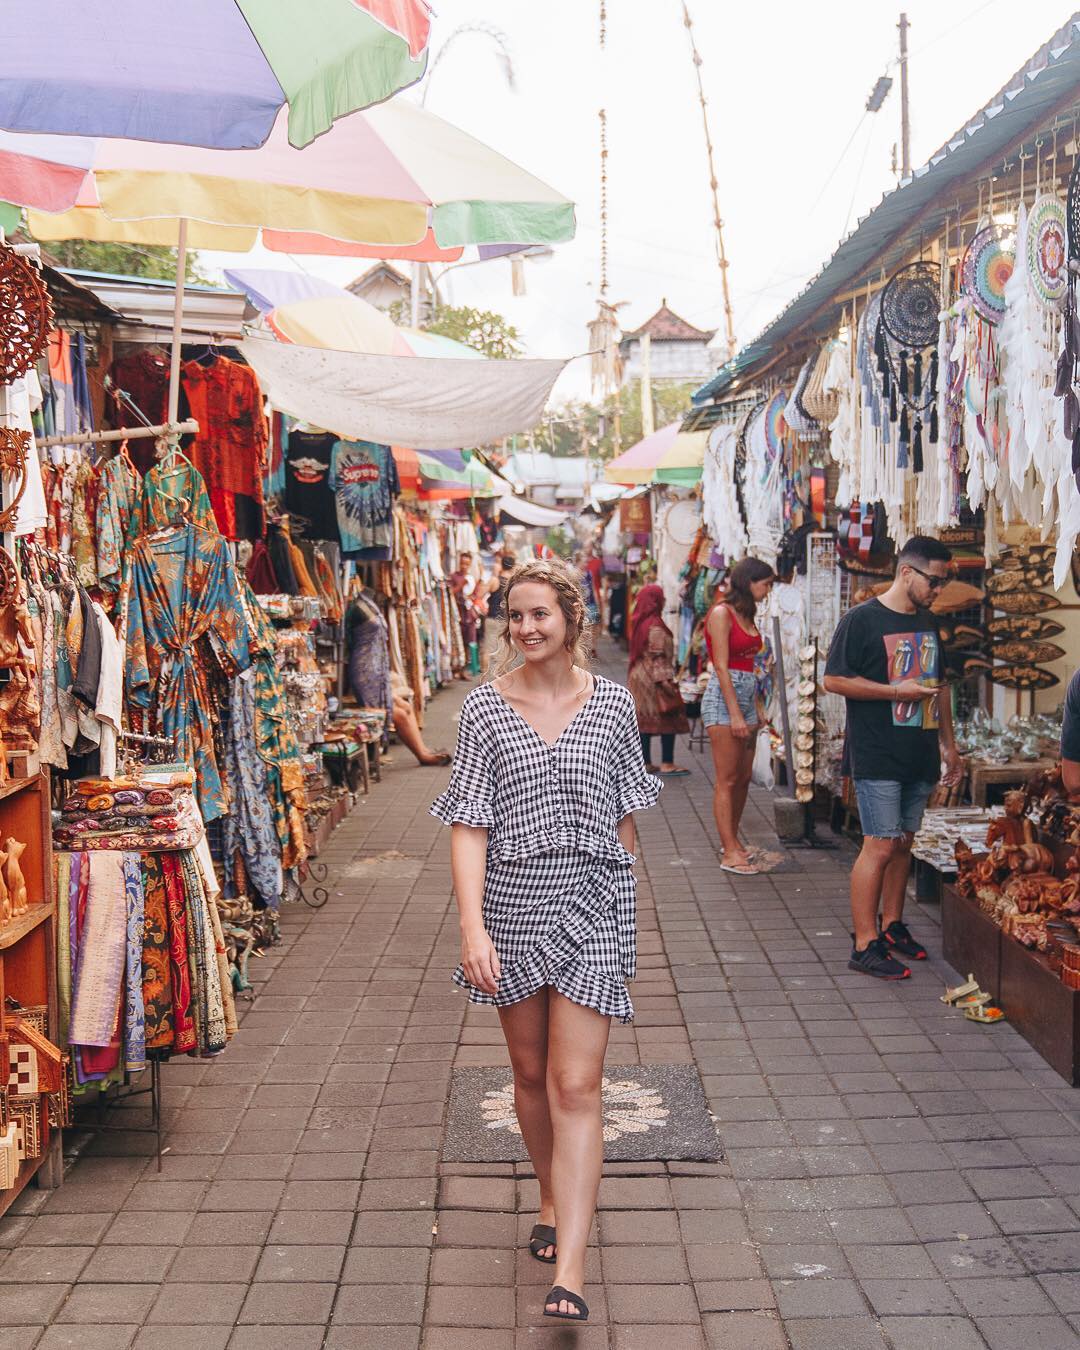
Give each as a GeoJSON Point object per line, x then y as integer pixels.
{"type": "Point", "coordinates": [668, 698]}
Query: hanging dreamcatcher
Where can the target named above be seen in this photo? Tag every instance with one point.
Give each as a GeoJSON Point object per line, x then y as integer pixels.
{"type": "Point", "coordinates": [1070, 346]}
{"type": "Point", "coordinates": [988, 264]}
{"type": "Point", "coordinates": [26, 315]}
{"type": "Point", "coordinates": [907, 325]}
{"type": "Point", "coordinates": [775, 426]}
{"type": "Point", "coordinates": [1047, 250]}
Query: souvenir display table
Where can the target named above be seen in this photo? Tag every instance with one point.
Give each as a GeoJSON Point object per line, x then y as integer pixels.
{"type": "Point", "coordinates": [983, 775]}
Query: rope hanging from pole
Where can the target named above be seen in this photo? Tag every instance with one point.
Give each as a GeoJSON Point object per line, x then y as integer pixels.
{"type": "Point", "coordinates": [718, 224]}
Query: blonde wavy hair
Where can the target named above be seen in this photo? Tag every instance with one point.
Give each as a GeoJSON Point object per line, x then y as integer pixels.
{"type": "Point", "coordinates": [566, 584]}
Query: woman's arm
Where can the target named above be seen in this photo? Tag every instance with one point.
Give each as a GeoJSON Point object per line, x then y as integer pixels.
{"type": "Point", "coordinates": [468, 866]}
{"type": "Point", "coordinates": [627, 835]}
{"type": "Point", "coordinates": [720, 632]}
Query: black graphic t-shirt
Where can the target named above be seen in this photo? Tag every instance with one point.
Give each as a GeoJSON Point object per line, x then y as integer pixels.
{"type": "Point", "coordinates": [307, 483]}
{"type": "Point", "coordinates": [890, 740]}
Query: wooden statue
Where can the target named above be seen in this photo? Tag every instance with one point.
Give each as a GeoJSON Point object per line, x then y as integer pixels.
{"type": "Point", "coordinates": [5, 899]}
{"type": "Point", "coordinates": [16, 883]}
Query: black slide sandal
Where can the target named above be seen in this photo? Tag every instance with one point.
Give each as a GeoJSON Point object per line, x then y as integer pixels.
{"type": "Point", "coordinates": [542, 1235]}
{"type": "Point", "coordinates": [559, 1295]}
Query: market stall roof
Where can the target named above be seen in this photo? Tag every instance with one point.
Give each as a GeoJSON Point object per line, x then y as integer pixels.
{"type": "Point", "coordinates": [402, 400]}
{"type": "Point", "coordinates": [669, 455]}
{"type": "Point", "coordinates": [1044, 86]}
{"type": "Point", "coordinates": [445, 475]}
{"type": "Point", "coordinates": [147, 306]}
{"type": "Point", "coordinates": [526, 512]}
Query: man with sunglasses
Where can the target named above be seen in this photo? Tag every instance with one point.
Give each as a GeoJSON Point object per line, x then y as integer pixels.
{"type": "Point", "coordinates": [885, 661]}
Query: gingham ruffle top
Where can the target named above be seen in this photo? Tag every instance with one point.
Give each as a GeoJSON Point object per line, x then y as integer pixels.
{"type": "Point", "coordinates": [535, 798]}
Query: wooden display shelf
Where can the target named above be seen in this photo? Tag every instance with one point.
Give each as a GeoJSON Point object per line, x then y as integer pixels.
{"type": "Point", "coordinates": [14, 785]}
{"type": "Point", "coordinates": [28, 944]}
{"type": "Point", "coordinates": [1042, 1009]}
{"type": "Point", "coordinates": [18, 928]}
{"type": "Point", "coordinates": [971, 942]}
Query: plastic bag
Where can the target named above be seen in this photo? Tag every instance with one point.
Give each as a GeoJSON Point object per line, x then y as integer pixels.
{"type": "Point", "coordinates": [762, 772]}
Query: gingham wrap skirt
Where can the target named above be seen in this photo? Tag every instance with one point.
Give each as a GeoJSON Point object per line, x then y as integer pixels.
{"type": "Point", "coordinates": [559, 892]}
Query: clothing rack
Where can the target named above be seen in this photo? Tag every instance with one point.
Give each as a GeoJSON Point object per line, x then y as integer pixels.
{"type": "Point", "coordinates": [169, 430]}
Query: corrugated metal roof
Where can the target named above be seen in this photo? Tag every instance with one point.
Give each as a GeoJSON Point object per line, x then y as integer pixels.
{"type": "Point", "coordinates": [1042, 86]}
{"type": "Point", "coordinates": [148, 306]}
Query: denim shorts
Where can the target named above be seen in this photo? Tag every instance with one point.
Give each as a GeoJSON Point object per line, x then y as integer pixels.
{"type": "Point", "coordinates": [714, 708]}
{"type": "Point", "coordinates": [887, 809]}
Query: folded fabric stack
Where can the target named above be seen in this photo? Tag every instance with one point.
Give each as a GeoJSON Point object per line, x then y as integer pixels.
{"type": "Point", "coordinates": [130, 813]}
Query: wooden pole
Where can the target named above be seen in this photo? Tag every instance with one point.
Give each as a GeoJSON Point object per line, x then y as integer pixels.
{"type": "Point", "coordinates": [905, 111]}
{"type": "Point", "coordinates": [178, 317]}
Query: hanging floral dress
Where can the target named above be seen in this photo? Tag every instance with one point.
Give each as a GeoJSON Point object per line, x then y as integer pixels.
{"type": "Point", "coordinates": [184, 613]}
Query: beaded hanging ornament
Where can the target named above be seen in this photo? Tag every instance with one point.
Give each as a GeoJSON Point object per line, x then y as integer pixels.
{"type": "Point", "coordinates": [26, 315]}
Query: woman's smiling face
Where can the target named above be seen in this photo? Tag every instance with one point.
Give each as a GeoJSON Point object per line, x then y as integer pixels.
{"type": "Point", "coordinates": [537, 625]}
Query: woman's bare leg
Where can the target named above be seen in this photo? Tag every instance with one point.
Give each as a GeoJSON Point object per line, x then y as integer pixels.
{"type": "Point", "coordinates": [525, 1026]}
{"type": "Point", "coordinates": [577, 1040]}
{"type": "Point", "coordinates": [742, 783]}
{"type": "Point", "coordinates": [409, 733]}
{"type": "Point", "coordinates": [728, 759]}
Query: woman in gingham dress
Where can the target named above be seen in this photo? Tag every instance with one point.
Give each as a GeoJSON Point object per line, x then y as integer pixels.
{"type": "Point", "coordinates": [547, 771]}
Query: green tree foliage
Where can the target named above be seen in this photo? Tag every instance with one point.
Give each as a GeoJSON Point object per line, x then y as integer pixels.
{"type": "Point", "coordinates": [153, 261]}
{"type": "Point", "coordinates": [482, 329]}
{"type": "Point", "coordinates": [577, 424]}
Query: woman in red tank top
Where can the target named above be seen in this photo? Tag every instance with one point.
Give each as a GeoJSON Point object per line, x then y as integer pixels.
{"type": "Point", "coordinates": [729, 704]}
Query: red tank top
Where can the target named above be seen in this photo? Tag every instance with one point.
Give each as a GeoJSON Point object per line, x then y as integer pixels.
{"type": "Point", "coordinates": [742, 646]}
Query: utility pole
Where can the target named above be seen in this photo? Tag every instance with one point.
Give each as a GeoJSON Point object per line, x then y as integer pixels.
{"type": "Point", "coordinates": [905, 110]}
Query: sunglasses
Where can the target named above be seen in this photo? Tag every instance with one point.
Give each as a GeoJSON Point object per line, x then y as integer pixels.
{"type": "Point", "coordinates": [935, 583]}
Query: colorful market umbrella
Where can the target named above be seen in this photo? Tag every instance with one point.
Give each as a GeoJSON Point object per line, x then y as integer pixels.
{"type": "Point", "coordinates": [445, 475]}
{"type": "Point", "coordinates": [667, 456]}
{"type": "Point", "coordinates": [206, 72]}
{"type": "Point", "coordinates": [313, 312]}
{"type": "Point", "coordinates": [380, 177]}
{"type": "Point", "coordinates": [387, 175]}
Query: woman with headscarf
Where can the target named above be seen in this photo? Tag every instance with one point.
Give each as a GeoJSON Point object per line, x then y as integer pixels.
{"type": "Point", "coordinates": [660, 710]}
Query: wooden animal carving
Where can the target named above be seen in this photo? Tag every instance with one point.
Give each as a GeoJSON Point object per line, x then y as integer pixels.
{"type": "Point", "coordinates": [16, 883]}
{"type": "Point", "coordinates": [5, 899]}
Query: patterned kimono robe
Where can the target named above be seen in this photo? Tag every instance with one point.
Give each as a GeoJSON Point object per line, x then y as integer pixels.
{"type": "Point", "coordinates": [184, 589]}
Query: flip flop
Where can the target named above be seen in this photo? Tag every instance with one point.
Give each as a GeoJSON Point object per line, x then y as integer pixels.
{"type": "Point", "coordinates": [558, 1295]}
{"type": "Point", "coordinates": [674, 773]}
{"type": "Point", "coordinates": [740, 869]}
{"type": "Point", "coordinates": [542, 1237]}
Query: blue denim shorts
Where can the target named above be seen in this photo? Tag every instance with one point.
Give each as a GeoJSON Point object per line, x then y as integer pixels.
{"type": "Point", "coordinates": [714, 709]}
{"type": "Point", "coordinates": [887, 809]}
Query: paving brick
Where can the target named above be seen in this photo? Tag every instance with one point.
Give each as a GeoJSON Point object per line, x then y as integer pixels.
{"type": "Point", "coordinates": [746, 1330]}
{"type": "Point", "coordinates": [933, 1334]}
{"type": "Point", "coordinates": [380, 1305]}
{"type": "Point", "coordinates": [834, 1333]}
{"type": "Point", "coordinates": [193, 1304]}
{"type": "Point", "coordinates": [292, 1304]}
{"type": "Point", "coordinates": [652, 1303]}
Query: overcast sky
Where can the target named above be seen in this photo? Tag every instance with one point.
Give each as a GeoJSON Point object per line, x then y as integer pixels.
{"type": "Point", "coordinates": [786, 82]}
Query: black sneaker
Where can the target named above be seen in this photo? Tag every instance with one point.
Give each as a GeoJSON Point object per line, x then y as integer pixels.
{"type": "Point", "coordinates": [898, 937]}
{"type": "Point", "coordinates": [875, 960]}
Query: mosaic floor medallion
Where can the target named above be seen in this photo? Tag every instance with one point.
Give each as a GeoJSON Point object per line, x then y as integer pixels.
{"type": "Point", "coordinates": [652, 1113]}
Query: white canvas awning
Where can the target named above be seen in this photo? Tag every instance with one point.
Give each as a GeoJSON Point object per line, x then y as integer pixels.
{"type": "Point", "coordinates": [419, 402]}
{"type": "Point", "coordinates": [530, 513]}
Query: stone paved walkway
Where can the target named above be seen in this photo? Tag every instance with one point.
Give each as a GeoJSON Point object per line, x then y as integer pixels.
{"type": "Point", "coordinates": [895, 1177]}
